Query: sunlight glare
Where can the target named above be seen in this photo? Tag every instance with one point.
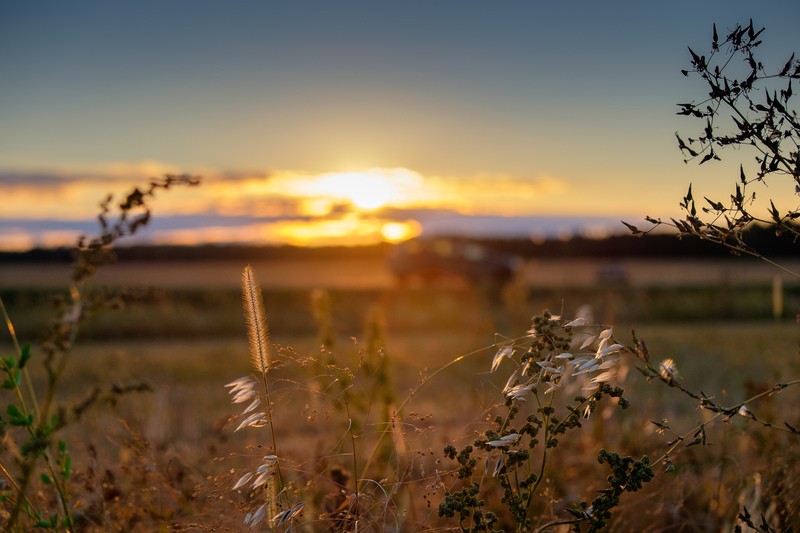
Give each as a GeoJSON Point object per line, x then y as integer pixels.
{"type": "Point", "coordinates": [367, 191]}
{"type": "Point", "coordinates": [400, 231]}
{"type": "Point", "coordinates": [316, 207]}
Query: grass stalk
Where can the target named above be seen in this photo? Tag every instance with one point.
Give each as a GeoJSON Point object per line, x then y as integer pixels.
{"type": "Point", "coordinates": [411, 395]}
{"type": "Point", "coordinates": [723, 412]}
{"type": "Point", "coordinates": [18, 349]}
{"type": "Point", "coordinates": [258, 336]}
{"type": "Point", "coordinates": [355, 459]}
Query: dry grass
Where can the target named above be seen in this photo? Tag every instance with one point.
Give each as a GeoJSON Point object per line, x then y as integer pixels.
{"type": "Point", "coordinates": [371, 273]}
{"type": "Point", "coordinates": [170, 457]}
{"type": "Point", "coordinates": [167, 459]}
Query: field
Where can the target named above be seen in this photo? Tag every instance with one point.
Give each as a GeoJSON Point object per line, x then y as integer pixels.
{"type": "Point", "coordinates": [166, 458]}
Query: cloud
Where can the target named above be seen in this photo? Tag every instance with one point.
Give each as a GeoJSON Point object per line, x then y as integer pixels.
{"type": "Point", "coordinates": [488, 194]}
{"type": "Point", "coordinates": [67, 175]}
{"type": "Point", "coordinates": [282, 206]}
{"type": "Point", "coordinates": [279, 191]}
{"type": "Point", "coordinates": [11, 179]}
{"type": "Point", "coordinates": [347, 228]}
{"type": "Point", "coordinates": [451, 223]}
{"type": "Point", "coordinates": [113, 175]}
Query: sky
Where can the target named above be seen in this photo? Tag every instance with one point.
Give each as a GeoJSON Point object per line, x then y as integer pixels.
{"type": "Point", "coordinates": [352, 122]}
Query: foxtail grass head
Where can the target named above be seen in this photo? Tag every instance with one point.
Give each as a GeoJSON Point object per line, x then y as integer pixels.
{"type": "Point", "coordinates": [256, 319]}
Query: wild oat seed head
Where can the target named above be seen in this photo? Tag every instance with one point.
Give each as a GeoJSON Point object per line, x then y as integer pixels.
{"type": "Point", "coordinates": [504, 352]}
{"type": "Point", "coordinates": [589, 340]}
{"type": "Point", "coordinates": [255, 317]}
{"type": "Point", "coordinates": [256, 420]}
{"type": "Point", "coordinates": [243, 480]}
{"type": "Point", "coordinates": [504, 442]}
{"type": "Point", "coordinates": [580, 321]}
{"type": "Point", "coordinates": [288, 514]}
{"type": "Point", "coordinates": [252, 519]}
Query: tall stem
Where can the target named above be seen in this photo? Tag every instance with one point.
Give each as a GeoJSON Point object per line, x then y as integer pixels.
{"type": "Point", "coordinates": [355, 457]}
{"type": "Point", "coordinates": [272, 427]}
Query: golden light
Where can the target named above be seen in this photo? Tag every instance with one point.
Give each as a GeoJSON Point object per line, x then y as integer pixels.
{"type": "Point", "coordinates": [316, 207]}
{"type": "Point", "coordinates": [365, 190]}
{"type": "Point", "coordinates": [400, 231]}
{"type": "Point", "coordinates": [350, 230]}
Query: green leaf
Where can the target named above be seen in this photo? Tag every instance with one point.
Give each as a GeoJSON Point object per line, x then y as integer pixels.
{"type": "Point", "coordinates": [13, 411]}
{"type": "Point", "coordinates": [24, 356]}
{"type": "Point", "coordinates": [8, 363]}
{"type": "Point", "coordinates": [66, 470]}
{"type": "Point", "coordinates": [24, 422]}
{"type": "Point", "coordinates": [13, 380]}
{"type": "Point", "coordinates": [46, 479]}
{"type": "Point", "coordinates": [17, 417]}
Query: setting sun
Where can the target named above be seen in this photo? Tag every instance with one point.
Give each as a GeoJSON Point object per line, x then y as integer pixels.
{"type": "Point", "coordinates": [365, 190]}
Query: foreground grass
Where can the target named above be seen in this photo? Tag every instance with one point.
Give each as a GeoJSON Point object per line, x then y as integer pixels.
{"type": "Point", "coordinates": [167, 457]}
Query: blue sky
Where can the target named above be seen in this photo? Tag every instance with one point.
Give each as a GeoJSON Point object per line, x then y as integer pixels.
{"type": "Point", "coordinates": [572, 101]}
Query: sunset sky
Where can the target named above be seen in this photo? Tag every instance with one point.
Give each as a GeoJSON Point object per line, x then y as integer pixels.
{"type": "Point", "coordinates": [322, 122]}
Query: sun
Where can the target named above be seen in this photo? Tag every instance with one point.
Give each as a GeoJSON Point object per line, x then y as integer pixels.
{"type": "Point", "coordinates": [366, 191]}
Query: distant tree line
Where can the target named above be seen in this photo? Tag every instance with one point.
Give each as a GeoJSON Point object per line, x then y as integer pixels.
{"type": "Point", "coordinates": [207, 252]}
{"type": "Point", "coordinates": [770, 240]}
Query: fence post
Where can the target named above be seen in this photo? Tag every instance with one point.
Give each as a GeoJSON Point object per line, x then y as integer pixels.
{"type": "Point", "coordinates": [777, 296]}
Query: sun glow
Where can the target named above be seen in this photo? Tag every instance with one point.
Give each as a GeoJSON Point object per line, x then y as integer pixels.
{"type": "Point", "coordinates": [400, 231]}
{"type": "Point", "coordinates": [355, 207]}
{"type": "Point", "coordinates": [365, 190]}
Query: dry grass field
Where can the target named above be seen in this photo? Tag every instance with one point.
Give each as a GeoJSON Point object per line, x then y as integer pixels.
{"type": "Point", "coordinates": [166, 458]}
{"type": "Point", "coordinates": [364, 273]}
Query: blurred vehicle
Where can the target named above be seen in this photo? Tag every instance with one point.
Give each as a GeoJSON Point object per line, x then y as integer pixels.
{"type": "Point", "coordinates": [433, 260]}
{"type": "Point", "coordinates": [612, 274]}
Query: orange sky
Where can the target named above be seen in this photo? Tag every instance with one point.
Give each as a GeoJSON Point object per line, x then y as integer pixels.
{"type": "Point", "coordinates": [332, 208]}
